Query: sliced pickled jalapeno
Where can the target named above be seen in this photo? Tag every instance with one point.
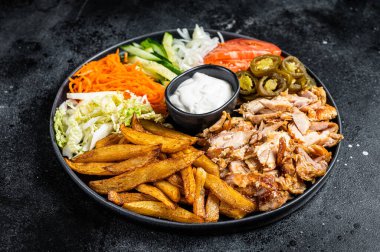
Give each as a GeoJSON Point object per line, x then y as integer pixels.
{"type": "Point", "coordinates": [293, 66]}
{"type": "Point", "coordinates": [272, 85]}
{"type": "Point", "coordinates": [247, 82]}
{"type": "Point", "coordinates": [265, 65]}
{"type": "Point", "coordinates": [288, 77]}
{"type": "Point", "coordinates": [295, 86]}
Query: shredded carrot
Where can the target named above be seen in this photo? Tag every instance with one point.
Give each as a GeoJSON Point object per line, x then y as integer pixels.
{"type": "Point", "coordinates": [110, 74]}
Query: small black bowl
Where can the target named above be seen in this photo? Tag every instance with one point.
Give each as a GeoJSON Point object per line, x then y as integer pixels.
{"type": "Point", "coordinates": [196, 122]}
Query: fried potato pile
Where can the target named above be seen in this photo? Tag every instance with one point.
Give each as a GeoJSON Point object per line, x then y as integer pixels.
{"type": "Point", "coordinates": [155, 171]}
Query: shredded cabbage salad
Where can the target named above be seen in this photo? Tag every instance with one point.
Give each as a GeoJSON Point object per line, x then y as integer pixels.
{"type": "Point", "coordinates": [190, 51]}
{"type": "Point", "coordinates": [79, 125]}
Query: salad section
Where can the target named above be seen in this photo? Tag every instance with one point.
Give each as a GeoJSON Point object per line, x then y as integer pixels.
{"type": "Point", "coordinates": [114, 128]}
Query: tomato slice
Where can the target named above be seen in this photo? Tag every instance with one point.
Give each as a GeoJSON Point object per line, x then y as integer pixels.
{"type": "Point", "coordinates": [233, 65]}
{"type": "Point", "coordinates": [235, 53]}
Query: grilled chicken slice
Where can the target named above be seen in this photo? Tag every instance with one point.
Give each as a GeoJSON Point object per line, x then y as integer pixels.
{"type": "Point", "coordinates": [238, 167]}
{"type": "Point", "coordinates": [230, 139]}
{"type": "Point", "coordinates": [308, 169]}
{"type": "Point", "coordinates": [293, 184]}
{"type": "Point", "coordinates": [270, 200]}
{"type": "Point", "coordinates": [324, 138]}
{"type": "Point", "coordinates": [320, 93]}
{"type": "Point", "coordinates": [327, 112]}
{"type": "Point", "coordinates": [267, 152]}
{"type": "Point", "coordinates": [251, 107]}
{"type": "Point", "coordinates": [301, 121]}
{"type": "Point", "coordinates": [256, 119]}
{"type": "Point", "coordinates": [218, 126]}
{"type": "Point", "coordinates": [324, 125]}
{"type": "Point", "coordinates": [240, 124]}
{"type": "Point", "coordinates": [278, 103]}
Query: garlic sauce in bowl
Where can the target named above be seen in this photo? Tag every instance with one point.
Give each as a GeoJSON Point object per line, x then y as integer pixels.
{"type": "Point", "coordinates": [196, 98]}
{"type": "Point", "coordinates": [201, 94]}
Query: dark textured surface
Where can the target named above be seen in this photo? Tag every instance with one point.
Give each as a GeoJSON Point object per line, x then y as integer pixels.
{"type": "Point", "coordinates": [42, 41]}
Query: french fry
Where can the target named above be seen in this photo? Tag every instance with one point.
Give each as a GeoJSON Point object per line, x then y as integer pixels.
{"type": "Point", "coordinates": [133, 163]}
{"type": "Point", "coordinates": [169, 145]}
{"type": "Point", "coordinates": [206, 163]}
{"type": "Point", "coordinates": [199, 200]}
{"type": "Point", "coordinates": [228, 211]}
{"type": "Point", "coordinates": [121, 198]}
{"type": "Point", "coordinates": [159, 210]}
{"type": "Point", "coordinates": [114, 153]}
{"type": "Point", "coordinates": [136, 125]}
{"type": "Point", "coordinates": [90, 168]}
{"type": "Point", "coordinates": [160, 130]}
{"type": "Point", "coordinates": [123, 141]}
{"type": "Point", "coordinates": [175, 180]}
{"type": "Point", "coordinates": [184, 201]}
{"type": "Point", "coordinates": [203, 161]}
{"type": "Point", "coordinates": [212, 208]}
{"type": "Point", "coordinates": [226, 193]}
{"type": "Point", "coordinates": [188, 184]}
{"type": "Point", "coordinates": [156, 193]}
{"type": "Point", "coordinates": [109, 140]}
{"type": "Point", "coordinates": [148, 173]}
{"type": "Point", "coordinates": [170, 190]}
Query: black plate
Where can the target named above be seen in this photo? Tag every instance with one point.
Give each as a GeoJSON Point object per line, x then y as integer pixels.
{"type": "Point", "coordinates": [224, 225]}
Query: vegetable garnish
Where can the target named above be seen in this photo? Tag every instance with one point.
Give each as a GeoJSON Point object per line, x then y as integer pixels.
{"type": "Point", "coordinates": [189, 51]}
{"type": "Point", "coordinates": [110, 74]}
{"type": "Point", "coordinates": [79, 125]}
{"type": "Point", "coordinates": [236, 54]}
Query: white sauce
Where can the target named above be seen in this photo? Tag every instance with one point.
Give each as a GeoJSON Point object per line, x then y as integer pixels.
{"type": "Point", "coordinates": [201, 94]}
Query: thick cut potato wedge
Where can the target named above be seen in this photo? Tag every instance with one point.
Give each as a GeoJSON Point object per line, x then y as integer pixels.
{"type": "Point", "coordinates": [170, 190]}
{"type": "Point", "coordinates": [169, 145]}
{"type": "Point", "coordinates": [199, 200]}
{"type": "Point", "coordinates": [136, 125]}
{"type": "Point", "coordinates": [206, 163]}
{"type": "Point", "coordinates": [159, 210]}
{"type": "Point", "coordinates": [176, 180]}
{"type": "Point", "coordinates": [148, 173]}
{"type": "Point", "coordinates": [90, 168]}
{"type": "Point", "coordinates": [160, 130]}
{"type": "Point", "coordinates": [109, 140]}
{"type": "Point", "coordinates": [156, 193]}
{"type": "Point", "coordinates": [212, 208]}
{"type": "Point", "coordinates": [231, 212]}
{"type": "Point", "coordinates": [226, 193]}
{"type": "Point", "coordinates": [203, 161]}
{"type": "Point", "coordinates": [188, 184]}
{"type": "Point", "coordinates": [114, 153]}
{"type": "Point", "coordinates": [123, 141]}
{"type": "Point", "coordinates": [121, 198]}
{"type": "Point", "coordinates": [133, 163]}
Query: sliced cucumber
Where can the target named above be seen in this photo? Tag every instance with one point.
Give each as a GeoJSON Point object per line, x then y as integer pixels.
{"type": "Point", "coordinates": [157, 47]}
{"type": "Point", "coordinates": [139, 52]}
{"type": "Point", "coordinates": [137, 45]}
{"type": "Point", "coordinates": [153, 67]}
{"type": "Point", "coordinates": [170, 66]}
{"type": "Point", "coordinates": [149, 50]}
{"type": "Point", "coordinates": [167, 42]}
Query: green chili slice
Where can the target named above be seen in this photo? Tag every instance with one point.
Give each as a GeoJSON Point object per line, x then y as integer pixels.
{"type": "Point", "coordinates": [272, 85]}
{"type": "Point", "coordinates": [265, 64]}
{"type": "Point", "coordinates": [293, 66]}
{"type": "Point", "coordinates": [247, 82]}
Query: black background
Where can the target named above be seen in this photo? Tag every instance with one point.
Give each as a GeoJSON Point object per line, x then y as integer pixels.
{"type": "Point", "coordinates": [42, 41]}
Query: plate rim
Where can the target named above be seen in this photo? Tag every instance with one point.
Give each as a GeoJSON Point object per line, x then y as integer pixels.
{"type": "Point", "coordinates": [262, 218]}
